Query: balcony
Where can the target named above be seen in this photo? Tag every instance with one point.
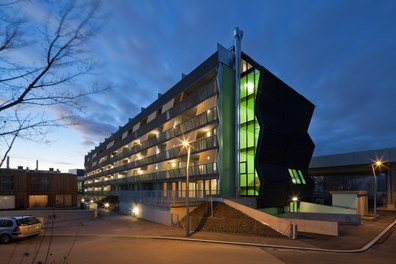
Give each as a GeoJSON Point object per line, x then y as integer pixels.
{"type": "Point", "coordinates": [196, 171]}
{"type": "Point", "coordinates": [181, 129]}
{"type": "Point", "coordinates": [196, 147]}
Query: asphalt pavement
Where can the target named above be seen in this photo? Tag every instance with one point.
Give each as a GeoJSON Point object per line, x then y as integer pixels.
{"type": "Point", "coordinates": [352, 237]}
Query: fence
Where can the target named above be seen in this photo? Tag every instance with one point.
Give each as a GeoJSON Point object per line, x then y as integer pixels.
{"type": "Point", "coordinates": [161, 198]}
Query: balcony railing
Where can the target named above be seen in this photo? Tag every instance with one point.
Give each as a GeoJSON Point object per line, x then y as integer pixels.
{"type": "Point", "coordinates": [196, 171]}
{"type": "Point", "coordinates": [196, 146]}
{"type": "Point", "coordinates": [210, 89]}
{"type": "Point", "coordinates": [163, 198]}
{"type": "Point", "coordinates": [181, 129]}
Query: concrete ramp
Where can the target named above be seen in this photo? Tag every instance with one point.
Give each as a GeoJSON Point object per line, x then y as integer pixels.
{"type": "Point", "coordinates": [287, 227]}
{"type": "Point", "coordinates": [284, 227]}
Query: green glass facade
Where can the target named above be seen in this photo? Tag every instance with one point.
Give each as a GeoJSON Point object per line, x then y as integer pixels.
{"type": "Point", "coordinates": [248, 133]}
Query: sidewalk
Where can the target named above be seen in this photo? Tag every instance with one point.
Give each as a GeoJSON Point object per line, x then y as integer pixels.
{"type": "Point", "coordinates": [114, 224]}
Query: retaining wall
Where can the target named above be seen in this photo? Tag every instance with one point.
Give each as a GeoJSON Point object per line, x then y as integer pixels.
{"type": "Point", "coordinates": [59, 215]}
{"type": "Point", "coordinates": [316, 227]}
{"type": "Point", "coordinates": [339, 218]}
{"type": "Point", "coordinates": [319, 208]}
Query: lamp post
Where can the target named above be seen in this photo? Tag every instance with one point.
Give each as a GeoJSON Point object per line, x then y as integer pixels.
{"type": "Point", "coordinates": [185, 144]}
{"type": "Point", "coordinates": [377, 163]}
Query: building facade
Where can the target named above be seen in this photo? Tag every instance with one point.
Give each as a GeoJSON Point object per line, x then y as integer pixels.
{"type": "Point", "coordinates": [23, 188]}
{"type": "Point", "coordinates": [247, 133]}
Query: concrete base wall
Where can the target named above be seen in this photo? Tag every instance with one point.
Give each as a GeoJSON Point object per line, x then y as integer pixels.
{"type": "Point", "coordinates": [338, 218]}
{"type": "Point", "coordinates": [162, 215]}
{"type": "Point", "coordinates": [316, 227]}
{"type": "Point", "coordinates": [318, 208]}
{"type": "Point", "coordinates": [58, 215]}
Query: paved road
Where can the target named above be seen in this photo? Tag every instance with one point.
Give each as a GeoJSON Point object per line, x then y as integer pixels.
{"type": "Point", "coordinates": [128, 250]}
{"type": "Point", "coordinates": [122, 239]}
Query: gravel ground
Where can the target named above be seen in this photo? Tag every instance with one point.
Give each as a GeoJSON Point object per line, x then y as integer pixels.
{"type": "Point", "coordinates": [228, 220]}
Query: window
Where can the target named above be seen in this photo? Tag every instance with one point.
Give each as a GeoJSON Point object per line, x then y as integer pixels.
{"type": "Point", "coordinates": [248, 133]}
{"type": "Point", "coordinates": [6, 183]}
{"type": "Point", "coordinates": [5, 223]}
{"type": "Point", "coordinates": [39, 184]}
{"type": "Point", "coordinates": [297, 176]}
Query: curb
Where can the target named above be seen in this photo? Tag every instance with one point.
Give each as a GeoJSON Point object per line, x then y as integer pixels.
{"type": "Point", "coordinates": [359, 250]}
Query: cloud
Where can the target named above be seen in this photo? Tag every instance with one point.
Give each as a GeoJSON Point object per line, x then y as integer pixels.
{"type": "Point", "coordinates": [340, 55]}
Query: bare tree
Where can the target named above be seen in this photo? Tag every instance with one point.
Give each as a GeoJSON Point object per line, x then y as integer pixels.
{"type": "Point", "coordinates": [41, 68]}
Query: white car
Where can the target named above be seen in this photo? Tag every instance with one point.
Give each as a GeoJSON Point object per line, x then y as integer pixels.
{"type": "Point", "coordinates": [18, 227]}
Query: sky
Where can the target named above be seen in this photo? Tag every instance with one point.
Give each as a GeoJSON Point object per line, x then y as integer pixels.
{"type": "Point", "coordinates": [340, 55]}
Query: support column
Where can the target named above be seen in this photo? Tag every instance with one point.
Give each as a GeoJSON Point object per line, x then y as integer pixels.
{"type": "Point", "coordinates": [391, 188]}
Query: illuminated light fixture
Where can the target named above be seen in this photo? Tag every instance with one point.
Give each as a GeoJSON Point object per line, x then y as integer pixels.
{"type": "Point", "coordinates": [208, 111]}
{"type": "Point", "coordinates": [135, 211]}
{"type": "Point", "coordinates": [208, 157]}
{"type": "Point", "coordinates": [250, 87]}
{"type": "Point", "coordinates": [295, 199]}
{"type": "Point", "coordinates": [92, 200]}
{"type": "Point", "coordinates": [82, 200]}
{"type": "Point", "coordinates": [174, 164]}
{"type": "Point", "coordinates": [106, 205]}
{"type": "Point", "coordinates": [208, 134]}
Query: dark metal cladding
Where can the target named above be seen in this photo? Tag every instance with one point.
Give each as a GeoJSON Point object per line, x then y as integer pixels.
{"type": "Point", "coordinates": [284, 117]}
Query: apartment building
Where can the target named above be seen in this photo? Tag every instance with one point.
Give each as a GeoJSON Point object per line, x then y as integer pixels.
{"type": "Point", "coordinates": [246, 130]}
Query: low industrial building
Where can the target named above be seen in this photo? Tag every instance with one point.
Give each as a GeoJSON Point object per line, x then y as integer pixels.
{"type": "Point", "coordinates": [23, 188]}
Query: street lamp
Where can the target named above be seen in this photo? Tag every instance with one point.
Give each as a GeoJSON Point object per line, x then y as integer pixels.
{"type": "Point", "coordinates": [185, 144]}
{"type": "Point", "coordinates": [377, 163]}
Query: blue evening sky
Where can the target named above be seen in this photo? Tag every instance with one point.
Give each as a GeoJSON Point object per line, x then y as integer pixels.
{"type": "Point", "coordinates": [341, 55]}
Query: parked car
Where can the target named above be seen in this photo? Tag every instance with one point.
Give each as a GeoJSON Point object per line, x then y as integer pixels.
{"type": "Point", "coordinates": [18, 227]}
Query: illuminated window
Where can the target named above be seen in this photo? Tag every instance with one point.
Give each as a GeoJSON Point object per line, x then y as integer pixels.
{"type": "Point", "coordinates": [248, 133]}
{"type": "Point", "coordinates": [297, 176]}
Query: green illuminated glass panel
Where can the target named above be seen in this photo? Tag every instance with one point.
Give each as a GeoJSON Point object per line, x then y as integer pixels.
{"type": "Point", "coordinates": [242, 86]}
{"type": "Point", "coordinates": [297, 176]}
{"type": "Point", "coordinates": [250, 109]}
{"type": "Point", "coordinates": [298, 181]}
{"type": "Point", "coordinates": [242, 112]}
{"type": "Point", "coordinates": [242, 167]}
{"type": "Point", "coordinates": [292, 176]}
{"type": "Point", "coordinates": [248, 133]}
{"type": "Point", "coordinates": [242, 137]}
{"type": "Point", "coordinates": [302, 177]}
